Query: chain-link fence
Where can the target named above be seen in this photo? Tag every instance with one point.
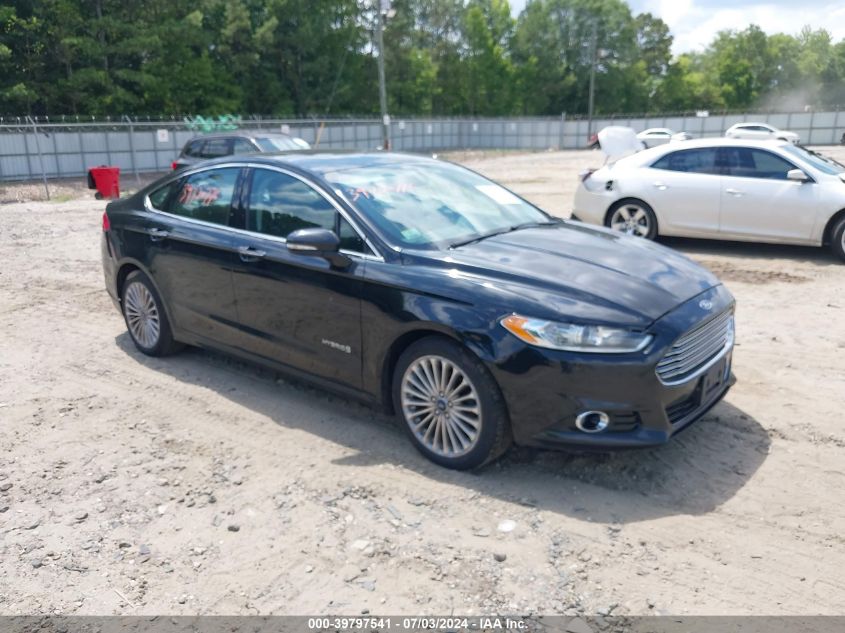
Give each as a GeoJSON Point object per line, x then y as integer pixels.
{"type": "Point", "coordinates": [33, 149]}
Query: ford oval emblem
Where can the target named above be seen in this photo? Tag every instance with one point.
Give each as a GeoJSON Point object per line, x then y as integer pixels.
{"type": "Point", "coordinates": [705, 304]}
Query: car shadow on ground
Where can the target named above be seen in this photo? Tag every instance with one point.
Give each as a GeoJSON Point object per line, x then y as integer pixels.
{"type": "Point", "coordinates": [699, 470]}
{"type": "Point", "coordinates": [818, 256]}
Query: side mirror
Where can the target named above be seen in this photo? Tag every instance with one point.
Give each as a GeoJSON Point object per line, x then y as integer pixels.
{"type": "Point", "coordinates": [797, 175]}
{"type": "Point", "coordinates": [317, 242]}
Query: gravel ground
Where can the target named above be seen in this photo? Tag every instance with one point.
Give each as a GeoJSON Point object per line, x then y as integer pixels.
{"type": "Point", "coordinates": [199, 484]}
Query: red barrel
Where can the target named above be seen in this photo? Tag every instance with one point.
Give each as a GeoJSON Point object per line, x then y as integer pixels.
{"type": "Point", "coordinates": [106, 180]}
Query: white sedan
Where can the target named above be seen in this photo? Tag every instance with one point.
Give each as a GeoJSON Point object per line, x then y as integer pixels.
{"type": "Point", "coordinates": [661, 135]}
{"type": "Point", "coordinates": [761, 132]}
{"type": "Point", "coordinates": [755, 191]}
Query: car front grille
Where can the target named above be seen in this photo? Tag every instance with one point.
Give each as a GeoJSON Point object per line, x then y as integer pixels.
{"type": "Point", "coordinates": [695, 349]}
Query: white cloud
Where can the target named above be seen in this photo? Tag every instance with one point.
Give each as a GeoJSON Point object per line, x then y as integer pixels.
{"type": "Point", "coordinates": [694, 25]}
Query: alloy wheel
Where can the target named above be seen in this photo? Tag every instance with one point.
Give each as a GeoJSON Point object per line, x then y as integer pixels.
{"type": "Point", "coordinates": [631, 219]}
{"type": "Point", "coordinates": [441, 406]}
{"type": "Point", "coordinates": [142, 315]}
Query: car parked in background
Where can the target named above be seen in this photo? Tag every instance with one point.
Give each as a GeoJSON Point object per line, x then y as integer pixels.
{"type": "Point", "coordinates": [660, 136]}
{"type": "Point", "coordinates": [756, 191]}
{"type": "Point", "coordinates": [424, 287]}
{"type": "Point", "coordinates": [208, 146]}
{"type": "Point", "coordinates": [761, 132]}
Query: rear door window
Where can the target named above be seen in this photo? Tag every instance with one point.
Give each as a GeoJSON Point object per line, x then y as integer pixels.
{"type": "Point", "coordinates": [206, 195]}
{"type": "Point", "coordinates": [695, 161]}
{"type": "Point", "coordinates": [193, 149]}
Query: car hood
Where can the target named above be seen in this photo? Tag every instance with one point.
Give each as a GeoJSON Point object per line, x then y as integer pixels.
{"type": "Point", "coordinates": [573, 270]}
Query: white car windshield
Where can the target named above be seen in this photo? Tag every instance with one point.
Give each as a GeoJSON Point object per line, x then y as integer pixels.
{"type": "Point", "coordinates": [822, 163]}
{"type": "Point", "coordinates": [433, 206]}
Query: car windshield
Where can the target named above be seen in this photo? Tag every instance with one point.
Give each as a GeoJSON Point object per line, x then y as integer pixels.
{"type": "Point", "coordinates": [281, 144]}
{"type": "Point", "coordinates": [433, 205]}
{"type": "Point", "coordinates": [822, 163]}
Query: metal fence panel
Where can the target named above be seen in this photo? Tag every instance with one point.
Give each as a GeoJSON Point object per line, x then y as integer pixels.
{"type": "Point", "coordinates": [69, 149]}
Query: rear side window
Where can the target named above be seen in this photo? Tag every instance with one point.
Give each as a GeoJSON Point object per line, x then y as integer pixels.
{"type": "Point", "coordinates": [159, 197]}
{"type": "Point", "coordinates": [280, 204]}
{"type": "Point", "coordinates": [193, 149]}
{"type": "Point", "coordinates": [206, 195]}
{"type": "Point", "coordinates": [216, 147]}
{"type": "Point", "coordinates": [745, 162]}
{"type": "Point", "coordinates": [696, 161]}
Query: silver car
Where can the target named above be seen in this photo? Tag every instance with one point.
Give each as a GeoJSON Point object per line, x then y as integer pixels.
{"type": "Point", "coordinates": [661, 135]}
{"type": "Point", "coordinates": [761, 132]}
{"type": "Point", "coordinates": [210, 146]}
{"type": "Point", "coordinates": [755, 191]}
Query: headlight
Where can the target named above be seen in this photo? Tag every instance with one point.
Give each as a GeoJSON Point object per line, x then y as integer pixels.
{"type": "Point", "coordinates": [574, 337]}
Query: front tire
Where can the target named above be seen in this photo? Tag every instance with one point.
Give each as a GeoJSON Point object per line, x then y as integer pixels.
{"type": "Point", "coordinates": [450, 405]}
{"type": "Point", "coordinates": [837, 239]}
{"type": "Point", "coordinates": [146, 320]}
{"type": "Point", "coordinates": [632, 217]}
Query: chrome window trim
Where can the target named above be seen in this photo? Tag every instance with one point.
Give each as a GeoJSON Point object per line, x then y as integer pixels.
{"type": "Point", "coordinates": [376, 256]}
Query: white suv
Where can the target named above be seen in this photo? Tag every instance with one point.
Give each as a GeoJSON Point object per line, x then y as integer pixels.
{"type": "Point", "coordinates": [760, 132]}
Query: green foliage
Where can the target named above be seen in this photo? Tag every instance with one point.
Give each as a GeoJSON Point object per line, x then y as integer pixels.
{"type": "Point", "coordinates": [443, 57]}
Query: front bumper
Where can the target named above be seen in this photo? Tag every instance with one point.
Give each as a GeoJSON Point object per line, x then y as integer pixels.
{"type": "Point", "coordinates": [546, 390]}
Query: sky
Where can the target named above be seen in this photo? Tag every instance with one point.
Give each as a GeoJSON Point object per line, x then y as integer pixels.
{"type": "Point", "coordinates": [693, 23]}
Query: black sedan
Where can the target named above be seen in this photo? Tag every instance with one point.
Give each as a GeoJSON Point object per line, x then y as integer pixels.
{"type": "Point", "coordinates": [423, 287]}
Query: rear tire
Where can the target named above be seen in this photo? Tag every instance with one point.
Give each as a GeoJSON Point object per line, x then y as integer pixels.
{"type": "Point", "coordinates": [450, 405]}
{"type": "Point", "coordinates": [632, 217]}
{"type": "Point", "coordinates": [837, 239]}
{"type": "Point", "coordinates": [145, 317]}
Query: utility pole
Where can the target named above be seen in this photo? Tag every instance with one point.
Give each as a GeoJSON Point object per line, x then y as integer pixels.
{"type": "Point", "coordinates": [593, 54]}
{"type": "Point", "coordinates": [383, 9]}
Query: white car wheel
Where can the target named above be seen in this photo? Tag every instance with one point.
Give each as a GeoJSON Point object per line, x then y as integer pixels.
{"type": "Point", "coordinates": [633, 217]}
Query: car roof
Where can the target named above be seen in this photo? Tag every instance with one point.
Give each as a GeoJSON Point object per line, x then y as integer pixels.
{"type": "Point", "coordinates": [744, 123]}
{"type": "Point", "coordinates": [721, 141]}
{"type": "Point", "coordinates": [323, 161]}
{"type": "Point", "coordinates": [653, 153]}
{"type": "Point", "coordinates": [239, 134]}
{"type": "Point", "coordinates": [656, 129]}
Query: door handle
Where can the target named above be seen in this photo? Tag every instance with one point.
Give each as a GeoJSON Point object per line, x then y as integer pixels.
{"type": "Point", "coordinates": [156, 235]}
{"type": "Point", "coordinates": [660, 185]}
{"type": "Point", "coordinates": [250, 254]}
{"type": "Point", "coordinates": [733, 192]}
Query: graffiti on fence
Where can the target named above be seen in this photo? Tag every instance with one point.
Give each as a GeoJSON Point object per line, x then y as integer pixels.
{"type": "Point", "coordinates": [222, 123]}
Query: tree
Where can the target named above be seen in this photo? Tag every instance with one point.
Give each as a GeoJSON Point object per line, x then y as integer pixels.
{"type": "Point", "coordinates": [487, 29]}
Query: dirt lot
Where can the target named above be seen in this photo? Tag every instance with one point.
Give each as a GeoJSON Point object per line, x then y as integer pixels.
{"type": "Point", "coordinates": [197, 484]}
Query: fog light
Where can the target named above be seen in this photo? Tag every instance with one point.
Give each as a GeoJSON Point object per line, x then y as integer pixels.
{"type": "Point", "coordinates": [592, 421]}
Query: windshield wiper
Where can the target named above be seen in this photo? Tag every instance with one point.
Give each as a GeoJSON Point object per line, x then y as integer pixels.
{"type": "Point", "coordinates": [509, 229]}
